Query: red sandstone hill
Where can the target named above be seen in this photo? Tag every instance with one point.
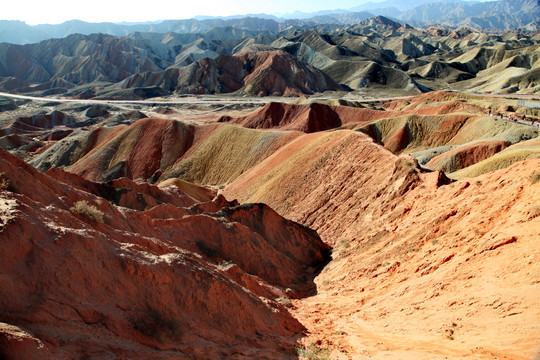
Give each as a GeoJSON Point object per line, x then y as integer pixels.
{"type": "Point", "coordinates": [409, 245]}
{"type": "Point", "coordinates": [148, 279]}
{"type": "Point", "coordinates": [155, 150]}
{"type": "Point", "coordinates": [34, 124]}
{"type": "Point", "coordinates": [318, 117]}
{"type": "Point", "coordinates": [306, 118]}
{"type": "Point", "coordinates": [426, 125]}
{"type": "Point", "coordinates": [251, 71]}
{"type": "Point", "coordinates": [423, 267]}
{"type": "Point", "coordinates": [452, 129]}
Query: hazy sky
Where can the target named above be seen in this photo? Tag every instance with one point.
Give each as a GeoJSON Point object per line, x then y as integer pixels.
{"type": "Point", "coordinates": [57, 11]}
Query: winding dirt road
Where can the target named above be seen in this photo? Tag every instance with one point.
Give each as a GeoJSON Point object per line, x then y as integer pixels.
{"type": "Point", "coordinates": [224, 100]}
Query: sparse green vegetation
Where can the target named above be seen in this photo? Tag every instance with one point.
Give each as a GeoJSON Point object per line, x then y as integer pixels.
{"type": "Point", "coordinates": [434, 241]}
{"type": "Point", "coordinates": [410, 164]}
{"type": "Point", "coordinates": [88, 211]}
{"type": "Point", "coordinates": [326, 283]}
{"type": "Point", "coordinates": [535, 177]}
{"type": "Point", "coordinates": [340, 332]}
{"type": "Point", "coordinates": [290, 293]}
{"type": "Point", "coordinates": [285, 301]}
{"type": "Point", "coordinates": [344, 243]}
{"type": "Point", "coordinates": [312, 352]}
{"type": "Point", "coordinates": [451, 331]}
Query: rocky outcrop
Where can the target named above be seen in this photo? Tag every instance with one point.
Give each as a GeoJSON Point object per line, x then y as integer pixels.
{"type": "Point", "coordinates": [406, 241]}
{"type": "Point", "coordinates": [85, 277]}
{"type": "Point", "coordinates": [374, 54]}
{"type": "Point", "coordinates": [35, 124]}
{"type": "Point", "coordinates": [307, 118]}
{"type": "Point", "coordinates": [249, 72]}
{"type": "Point", "coordinates": [77, 59]}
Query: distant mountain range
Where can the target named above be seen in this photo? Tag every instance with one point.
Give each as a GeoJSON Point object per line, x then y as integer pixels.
{"type": "Point", "coordinates": [373, 53]}
{"type": "Point", "coordinates": [503, 14]}
{"type": "Point", "coordinates": [493, 14]}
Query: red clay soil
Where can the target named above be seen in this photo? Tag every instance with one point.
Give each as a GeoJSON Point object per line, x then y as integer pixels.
{"type": "Point", "coordinates": [307, 118]}
{"type": "Point", "coordinates": [137, 152]}
{"type": "Point", "coordinates": [399, 139]}
{"type": "Point", "coordinates": [143, 284]}
{"type": "Point", "coordinates": [452, 275]}
{"type": "Point", "coordinates": [422, 268]}
{"type": "Point", "coordinates": [126, 193]}
{"type": "Point", "coordinates": [319, 117]}
{"type": "Point", "coordinates": [346, 171]}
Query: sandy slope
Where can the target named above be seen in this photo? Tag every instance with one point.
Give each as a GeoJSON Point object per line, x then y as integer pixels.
{"type": "Point", "coordinates": [443, 271]}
